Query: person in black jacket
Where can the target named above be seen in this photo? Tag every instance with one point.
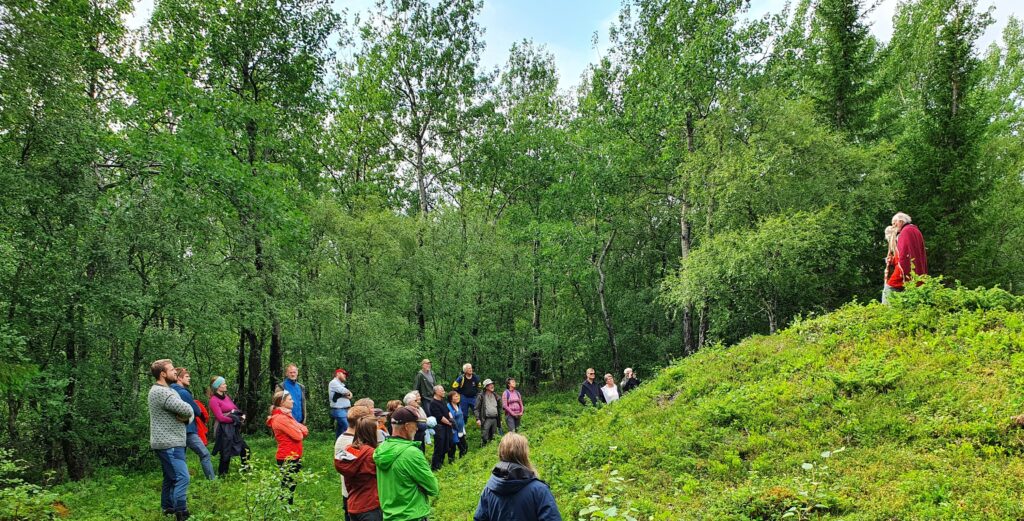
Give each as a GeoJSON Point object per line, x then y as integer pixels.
{"type": "Point", "coordinates": [590, 389]}
{"type": "Point", "coordinates": [630, 380]}
{"type": "Point", "coordinates": [438, 408]}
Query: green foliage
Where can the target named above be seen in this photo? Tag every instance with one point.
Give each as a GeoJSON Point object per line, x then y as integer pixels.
{"type": "Point", "coordinates": [20, 500]}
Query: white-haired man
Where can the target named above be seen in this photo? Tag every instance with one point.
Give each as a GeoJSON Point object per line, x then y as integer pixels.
{"type": "Point", "coordinates": [910, 247]}
{"type": "Point", "coordinates": [629, 380]}
{"type": "Point", "coordinates": [468, 386]}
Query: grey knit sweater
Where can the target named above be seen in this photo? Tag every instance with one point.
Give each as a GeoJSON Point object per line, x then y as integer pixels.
{"type": "Point", "coordinates": [165, 431]}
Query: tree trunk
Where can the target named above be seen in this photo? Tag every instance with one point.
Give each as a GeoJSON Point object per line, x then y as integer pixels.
{"type": "Point", "coordinates": [276, 353]}
{"type": "Point", "coordinates": [252, 395]}
{"type": "Point", "coordinates": [612, 345]}
{"type": "Point", "coordinates": [241, 362]}
{"type": "Point", "coordinates": [75, 465]}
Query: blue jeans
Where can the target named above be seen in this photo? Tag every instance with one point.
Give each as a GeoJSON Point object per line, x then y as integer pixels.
{"type": "Point", "coordinates": [193, 442]}
{"type": "Point", "coordinates": [466, 405]}
{"type": "Point", "coordinates": [175, 487]}
{"type": "Point", "coordinates": [341, 421]}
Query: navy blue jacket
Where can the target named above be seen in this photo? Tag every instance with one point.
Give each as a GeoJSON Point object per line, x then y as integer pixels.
{"type": "Point", "coordinates": [187, 398]}
{"type": "Point", "coordinates": [591, 390]}
{"type": "Point", "coordinates": [515, 494]}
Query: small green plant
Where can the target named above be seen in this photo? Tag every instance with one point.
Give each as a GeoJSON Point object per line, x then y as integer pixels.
{"type": "Point", "coordinates": [605, 497]}
{"type": "Point", "coordinates": [19, 500]}
{"type": "Point", "coordinates": [814, 489]}
{"type": "Point", "coordinates": [266, 498]}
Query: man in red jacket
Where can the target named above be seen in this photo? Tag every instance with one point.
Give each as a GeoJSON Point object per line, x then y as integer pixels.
{"type": "Point", "coordinates": [910, 247]}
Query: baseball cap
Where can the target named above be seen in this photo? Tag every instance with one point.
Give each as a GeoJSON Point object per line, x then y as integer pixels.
{"type": "Point", "coordinates": [404, 415]}
{"type": "Point", "coordinates": [340, 370]}
{"type": "Point", "coordinates": [488, 382]}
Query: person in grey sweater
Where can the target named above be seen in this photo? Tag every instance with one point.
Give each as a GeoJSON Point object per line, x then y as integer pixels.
{"type": "Point", "coordinates": [168, 417]}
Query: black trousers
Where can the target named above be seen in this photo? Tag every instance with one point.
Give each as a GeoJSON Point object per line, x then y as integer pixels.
{"type": "Point", "coordinates": [463, 447]}
{"type": "Point", "coordinates": [225, 461]}
{"type": "Point", "coordinates": [289, 468]}
{"type": "Point", "coordinates": [442, 441]}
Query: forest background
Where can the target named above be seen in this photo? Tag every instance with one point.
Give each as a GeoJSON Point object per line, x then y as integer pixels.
{"type": "Point", "coordinates": [239, 185]}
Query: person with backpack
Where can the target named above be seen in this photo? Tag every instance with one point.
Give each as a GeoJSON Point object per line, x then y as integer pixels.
{"type": "Point", "coordinates": [512, 403]}
{"type": "Point", "coordinates": [356, 466]}
{"type": "Point", "coordinates": [404, 479]}
{"type": "Point", "coordinates": [514, 492]}
{"type": "Point", "coordinates": [289, 434]}
{"type": "Point", "coordinates": [468, 387]}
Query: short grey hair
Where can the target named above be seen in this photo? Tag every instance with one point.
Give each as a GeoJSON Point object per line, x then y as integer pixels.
{"type": "Point", "coordinates": [900, 216]}
{"type": "Point", "coordinates": [628, 371]}
{"type": "Point", "coordinates": [436, 387]}
{"type": "Point", "coordinates": [410, 397]}
{"type": "Point", "coordinates": [466, 366]}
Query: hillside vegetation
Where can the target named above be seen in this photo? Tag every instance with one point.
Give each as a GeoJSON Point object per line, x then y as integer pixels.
{"type": "Point", "coordinates": [870, 412]}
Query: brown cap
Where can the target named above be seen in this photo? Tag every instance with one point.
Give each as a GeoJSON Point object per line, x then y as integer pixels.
{"type": "Point", "coordinates": [404, 415]}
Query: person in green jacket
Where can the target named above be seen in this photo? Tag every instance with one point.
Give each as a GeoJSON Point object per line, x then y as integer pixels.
{"type": "Point", "coordinates": [404, 479]}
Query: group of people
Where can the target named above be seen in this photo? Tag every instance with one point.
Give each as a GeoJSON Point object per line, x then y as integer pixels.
{"type": "Point", "coordinates": [906, 256]}
{"type": "Point", "coordinates": [380, 477]}
{"type": "Point", "coordinates": [609, 392]}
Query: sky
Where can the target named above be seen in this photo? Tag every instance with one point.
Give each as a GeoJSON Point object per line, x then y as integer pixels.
{"type": "Point", "coordinates": [566, 27]}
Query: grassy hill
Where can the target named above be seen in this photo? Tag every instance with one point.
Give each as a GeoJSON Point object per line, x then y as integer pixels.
{"type": "Point", "coordinates": [870, 412]}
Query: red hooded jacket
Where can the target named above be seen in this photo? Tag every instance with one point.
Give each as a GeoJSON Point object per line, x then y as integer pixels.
{"type": "Point", "coordinates": [360, 472]}
{"type": "Point", "coordinates": [289, 434]}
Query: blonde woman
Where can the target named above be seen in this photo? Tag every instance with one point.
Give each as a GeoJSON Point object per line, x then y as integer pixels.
{"type": "Point", "coordinates": [893, 271]}
{"type": "Point", "coordinates": [514, 492]}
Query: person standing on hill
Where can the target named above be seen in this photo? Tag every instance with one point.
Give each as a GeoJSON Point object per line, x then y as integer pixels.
{"type": "Point", "coordinates": [630, 380]}
{"type": "Point", "coordinates": [610, 392]}
{"type": "Point", "coordinates": [514, 492]}
{"type": "Point", "coordinates": [468, 387]}
{"type": "Point", "coordinates": [227, 432]}
{"type": "Point", "coordinates": [168, 416]}
{"type": "Point", "coordinates": [289, 435]}
{"type": "Point", "coordinates": [341, 400]}
{"type": "Point", "coordinates": [443, 429]}
{"type": "Point", "coordinates": [297, 390]}
{"type": "Point", "coordinates": [488, 412]}
{"type": "Point", "coordinates": [357, 468]}
{"type": "Point", "coordinates": [192, 439]}
{"type": "Point", "coordinates": [512, 403]}
{"type": "Point", "coordinates": [913, 258]}
{"type": "Point", "coordinates": [424, 383]}
{"type": "Point", "coordinates": [404, 479]}
{"type": "Point", "coordinates": [893, 271]}
{"type": "Point", "coordinates": [590, 389]}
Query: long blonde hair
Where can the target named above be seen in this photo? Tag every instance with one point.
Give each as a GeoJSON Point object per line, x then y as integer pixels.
{"type": "Point", "coordinates": [514, 448]}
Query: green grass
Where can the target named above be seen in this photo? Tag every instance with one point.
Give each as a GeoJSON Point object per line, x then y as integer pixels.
{"type": "Point", "coordinates": [918, 395]}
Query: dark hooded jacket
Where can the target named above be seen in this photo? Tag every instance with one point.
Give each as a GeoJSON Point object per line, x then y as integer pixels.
{"type": "Point", "coordinates": [514, 493]}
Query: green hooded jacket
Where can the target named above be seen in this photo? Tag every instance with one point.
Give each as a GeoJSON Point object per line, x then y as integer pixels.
{"type": "Point", "coordinates": [404, 480]}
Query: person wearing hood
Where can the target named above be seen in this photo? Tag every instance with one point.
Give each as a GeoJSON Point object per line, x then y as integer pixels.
{"type": "Point", "coordinates": [404, 479]}
{"type": "Point", "coordinates": [488, 412]}
{"type": "Point", "coordinates": [289, 434]}
{"type": "Point", "coordinates": [356, 465]}
{"type": "Point", "coordinates": [514, 492]}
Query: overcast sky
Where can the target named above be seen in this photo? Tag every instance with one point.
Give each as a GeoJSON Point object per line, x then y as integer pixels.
{"type": "Point", "coordinates": [566, 27]}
